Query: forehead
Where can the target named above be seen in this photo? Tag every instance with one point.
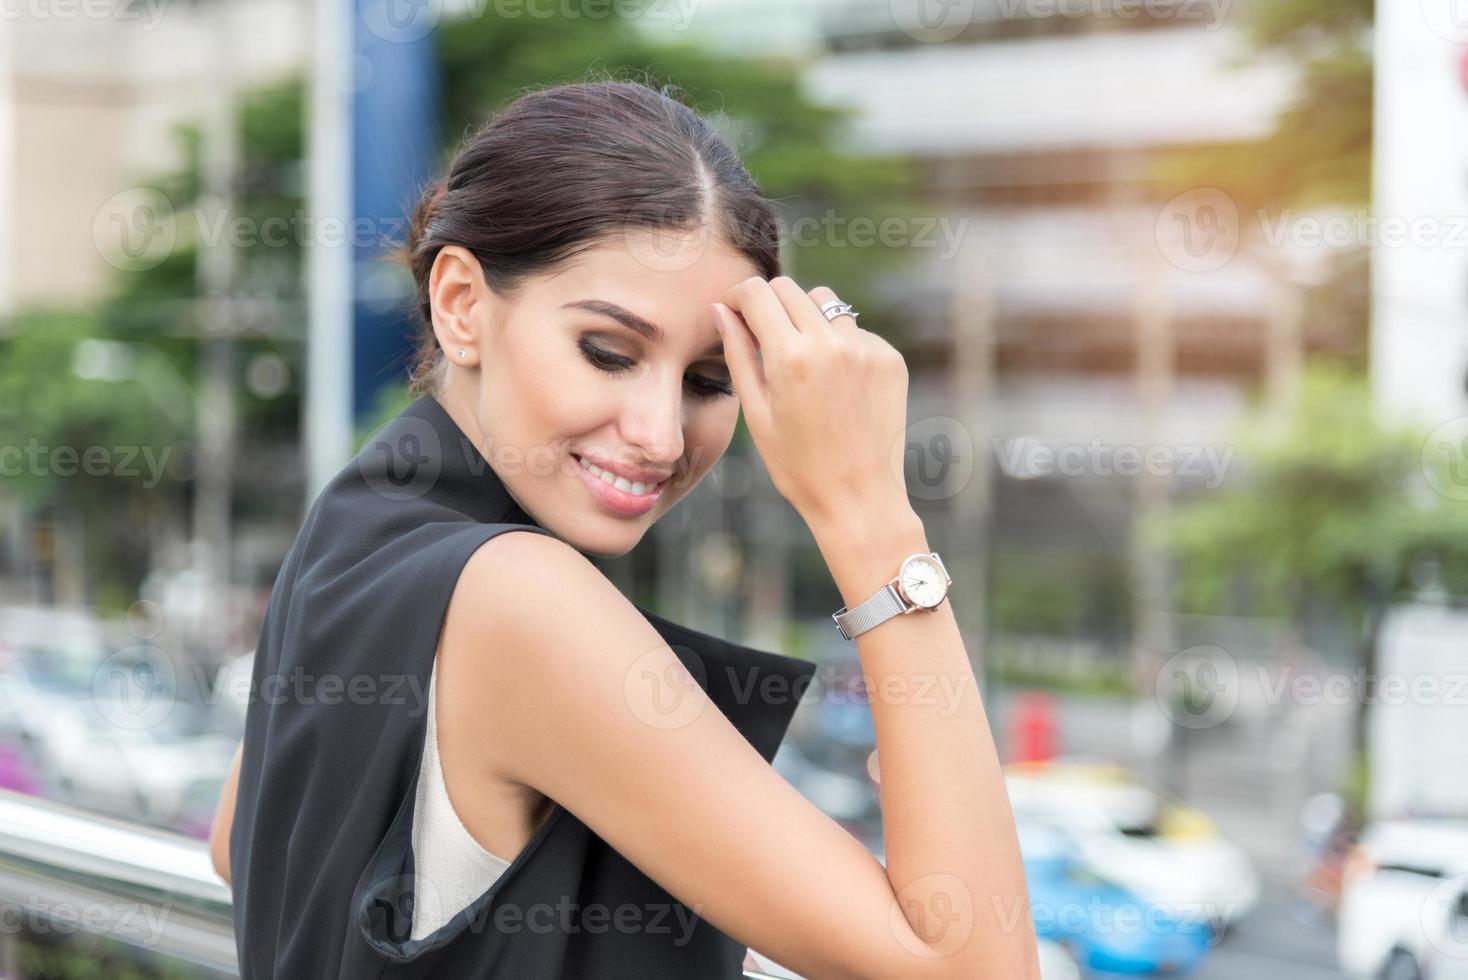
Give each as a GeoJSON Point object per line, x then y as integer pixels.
{"type": "Point", "coordinates": [644, 271]}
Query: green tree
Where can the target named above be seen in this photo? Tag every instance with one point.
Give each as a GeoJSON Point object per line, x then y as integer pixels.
{"type": "Point", "coordinates": [1335, 512]}
{"type": "Point", "coordinates": [1317, 155]}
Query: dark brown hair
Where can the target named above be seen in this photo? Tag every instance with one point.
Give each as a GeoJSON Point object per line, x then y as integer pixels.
{"type": "Point", "coordinates": [563, 169]}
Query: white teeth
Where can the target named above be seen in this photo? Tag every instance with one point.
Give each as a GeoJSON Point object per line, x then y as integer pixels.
{"type": "Point", "coordinates": [620, 482]}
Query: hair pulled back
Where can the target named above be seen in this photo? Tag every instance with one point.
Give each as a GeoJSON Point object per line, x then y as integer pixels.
{"type": "Point", "coordinates": [565, 168]}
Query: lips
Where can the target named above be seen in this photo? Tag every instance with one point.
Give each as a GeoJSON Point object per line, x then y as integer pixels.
{"type": "Point", "coordinates": [603, 470]}
{"type": "Point", "coordinates": [623, 503]}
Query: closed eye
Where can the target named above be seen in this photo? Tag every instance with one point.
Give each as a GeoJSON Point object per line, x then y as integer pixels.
{"type": "Point", "coordinates": [700, 385]}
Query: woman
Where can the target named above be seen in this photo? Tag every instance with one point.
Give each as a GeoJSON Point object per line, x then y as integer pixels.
{"type": "Point", "coordinates": [601, 296]}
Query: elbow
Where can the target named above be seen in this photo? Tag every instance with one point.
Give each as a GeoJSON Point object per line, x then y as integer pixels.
{"type": "Point", "coordinates": [219, 855]}
{"type": "Point", "coordinates": [219, 832]}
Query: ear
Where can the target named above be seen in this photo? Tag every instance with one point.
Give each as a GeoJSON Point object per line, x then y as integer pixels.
{"type": "Point", "coordinates": [459, 299]}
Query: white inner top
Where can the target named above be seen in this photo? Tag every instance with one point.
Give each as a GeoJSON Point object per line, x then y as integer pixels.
{"type": "Point", "coordinates": [452, 868]}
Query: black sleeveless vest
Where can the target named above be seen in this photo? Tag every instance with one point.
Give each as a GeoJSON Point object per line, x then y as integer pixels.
{"type": "Point", "coordinates": [320, 848]}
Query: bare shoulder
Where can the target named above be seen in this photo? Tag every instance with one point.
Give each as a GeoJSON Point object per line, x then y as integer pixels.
{"type": "Point", "coordinates": [570, 691]}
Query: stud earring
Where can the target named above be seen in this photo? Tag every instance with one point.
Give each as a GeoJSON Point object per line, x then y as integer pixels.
{"type": "Point", "coordinates": [462, 353]}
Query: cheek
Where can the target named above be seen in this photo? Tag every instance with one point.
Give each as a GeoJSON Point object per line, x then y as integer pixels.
{"type": "Point", "coordinates": [552, 393]}
{"type": "Point", "coordinates": [709, 433]}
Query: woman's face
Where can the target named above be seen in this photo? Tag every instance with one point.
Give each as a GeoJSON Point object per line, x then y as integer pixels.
{"type": "Point", "coordinates": [611, 362]}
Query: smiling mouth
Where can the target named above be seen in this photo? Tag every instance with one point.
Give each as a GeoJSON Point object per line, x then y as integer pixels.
{"type": "Point", "coordinates": [636, 488]}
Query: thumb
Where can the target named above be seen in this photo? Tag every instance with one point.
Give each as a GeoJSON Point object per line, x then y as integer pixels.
{"type": "Point", "coordinates": [745, 368]}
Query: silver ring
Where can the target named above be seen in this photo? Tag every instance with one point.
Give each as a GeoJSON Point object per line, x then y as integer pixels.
{"type": "Point", "coordinates": [837, 308]}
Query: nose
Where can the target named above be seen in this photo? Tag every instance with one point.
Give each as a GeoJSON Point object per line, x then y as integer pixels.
{"type": "Point", "coordinates": [652, 424]}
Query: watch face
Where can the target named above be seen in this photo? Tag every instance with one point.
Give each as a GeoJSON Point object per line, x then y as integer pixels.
{"type": "Point", "coordinates": [922, 581]}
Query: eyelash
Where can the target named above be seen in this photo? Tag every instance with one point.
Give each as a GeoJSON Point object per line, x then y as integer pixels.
{"type": "Point", "coordinates": [615, 364]}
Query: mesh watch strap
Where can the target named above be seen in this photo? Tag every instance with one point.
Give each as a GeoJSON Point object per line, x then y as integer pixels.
{"type": "Point", "coordinates": [878, 608]}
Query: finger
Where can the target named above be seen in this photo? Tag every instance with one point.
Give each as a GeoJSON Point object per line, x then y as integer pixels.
{"type": "Point", "coordinates": [819, 297]}
{"type": "Point", "coordinates": [742, 358]}
{"type": "Point", "coordinates": [764, 315]}
{"type": "Point", "coordinates": [804, 312]}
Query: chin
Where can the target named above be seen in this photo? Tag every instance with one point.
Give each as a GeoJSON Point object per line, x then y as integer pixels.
{"type": "Point", "coordinates": [607, 546]}
{"type": "Point", "coordinates": [604, 537]}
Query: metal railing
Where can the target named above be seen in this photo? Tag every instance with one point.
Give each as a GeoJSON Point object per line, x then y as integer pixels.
{"type": "Point", "coordinates": [150, 888]}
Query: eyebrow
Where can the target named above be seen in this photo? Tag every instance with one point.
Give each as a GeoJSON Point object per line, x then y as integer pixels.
{"type": "Point", "coordinates": [633, 322]}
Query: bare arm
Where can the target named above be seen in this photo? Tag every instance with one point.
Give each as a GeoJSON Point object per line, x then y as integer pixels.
{"type": "Point", "coordinates": [224, 817]}
{"type": "Point", "coordinates": [595, 711]}
{"type": "Point", "coordinates": [951, 849]}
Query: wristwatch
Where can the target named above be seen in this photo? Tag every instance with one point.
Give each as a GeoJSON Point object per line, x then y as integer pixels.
{"type": "Point", "coordinates": [921, 583]}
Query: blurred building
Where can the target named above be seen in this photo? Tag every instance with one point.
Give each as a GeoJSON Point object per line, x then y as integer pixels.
{"type": "Point", "coordinates": [1420, 265]}
{"type": "Point", "coordinates": [1113, 321]}
{"type": "Point", "coordinates": [90, 95]}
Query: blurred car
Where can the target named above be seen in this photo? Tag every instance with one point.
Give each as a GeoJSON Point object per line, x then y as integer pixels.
{"type": "Point", "coordinates": [1168, 853]}
{"type": "Point", "coordinates": [1103, 925]}
{"type": "Point", "coordinates": [1404, 903]}
{"type": "Point", "coordinates": [1056, 962]}
{"type": "Point", "coordinates": [93, 741]}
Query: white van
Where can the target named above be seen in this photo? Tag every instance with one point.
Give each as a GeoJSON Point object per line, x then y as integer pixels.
{"type": "Point", "coordinates": [1404, 902]}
